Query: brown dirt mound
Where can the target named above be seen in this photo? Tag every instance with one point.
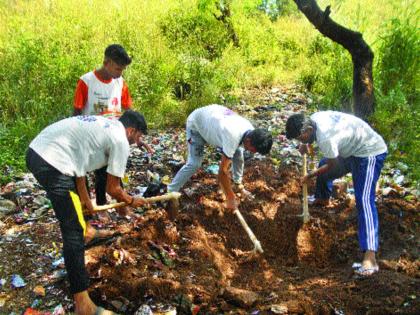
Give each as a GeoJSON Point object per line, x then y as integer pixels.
{"type": "Point", "coordinates": [305, 266]}
{"type": "Point", "coordinates": [305, 269]}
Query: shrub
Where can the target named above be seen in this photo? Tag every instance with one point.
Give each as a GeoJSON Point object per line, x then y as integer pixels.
{"type": "Point", "coordinates": [397, 95]}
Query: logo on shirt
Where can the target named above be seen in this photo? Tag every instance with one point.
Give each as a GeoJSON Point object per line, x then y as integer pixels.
{"type": "Point", "coordinates": [114, 101]}
{"type": "Point", "coordinates": [228, 112]}
{"type": "Point", "coordinates": [86, 118]}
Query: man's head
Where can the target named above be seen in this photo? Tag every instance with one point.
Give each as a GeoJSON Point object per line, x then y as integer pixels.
{"type": "Point", "coordinates": [134, 124]}
{"type": "Point", "coordinates": [116, 60]}
{"type": "Point", "coordinates": [258, 140]}
{"type": "Point", "coordinates": [297, 127]}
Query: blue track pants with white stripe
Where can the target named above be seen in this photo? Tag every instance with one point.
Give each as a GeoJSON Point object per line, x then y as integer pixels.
{"type": "Point", "coordinates": [365, 172]}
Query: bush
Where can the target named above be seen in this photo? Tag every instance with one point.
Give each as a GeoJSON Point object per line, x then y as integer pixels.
{"type": "Point", "coordinates": [397, 115]}
{"type": "Point", "coordinates": [329, 74]}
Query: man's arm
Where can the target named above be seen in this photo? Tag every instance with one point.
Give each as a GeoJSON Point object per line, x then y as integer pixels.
{"type": "Point", "coordinates": [83, 193]}
{"type": "Point", "coordinates": [80, 97]}
{"type": "Point", "coordinates": [148, 148]}
{"type": "Point", "coordinates": [114, 188]}
{"type": "Point", "coordinates": [225, 182]}
{"type": "Point", "coordinates": [321, 170]}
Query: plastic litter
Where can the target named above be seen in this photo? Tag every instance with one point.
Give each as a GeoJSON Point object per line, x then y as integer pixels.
{"type": "Point", "coordinates": [144, 310]}
{"type": "Point", "coordinates": [17, 281]}
{"type": "Point", "coordinates": [39, 290]}
{"type": "Point", "coordinates": [212, 169]}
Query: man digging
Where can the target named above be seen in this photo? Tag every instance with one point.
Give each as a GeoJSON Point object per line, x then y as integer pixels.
{"type": "Point", "coordinates": [349, 145]}
{"type": "Point", "coordinates": [223, 128]}
{"type": "Point", "coordinates": [59, 157]}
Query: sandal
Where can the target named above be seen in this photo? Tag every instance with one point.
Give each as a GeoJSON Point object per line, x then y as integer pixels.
{"type": "Point", "coordinates": [100, 310]}
{"type": "Point", "coordinates": [366, 272]}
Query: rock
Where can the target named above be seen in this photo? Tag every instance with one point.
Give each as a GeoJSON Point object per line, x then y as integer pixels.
{"type": "Point", "coordinates": [6, 207]}
{"type": "Point", "coordinates": [117, 304]}
{"type": "Point", "coordinates": [279, 309]}
{"type": "Point", "coordinates": [240, 297]}
{"type": "Point", "coordinates": [294, 306]}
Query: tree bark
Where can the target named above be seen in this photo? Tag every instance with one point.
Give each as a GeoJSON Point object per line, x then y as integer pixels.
{"type": "Point", "coordinates": [224, 17]}
{"type": "Point", "coordinates": [362, 55]}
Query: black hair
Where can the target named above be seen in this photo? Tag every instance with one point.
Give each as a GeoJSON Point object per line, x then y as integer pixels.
{"type": "Point", "coordinates": [117, 54]}
{"type": "Point", "coordinates": [261, 140]}
{"type": "Point", "coordinates": [294, 125]}
{"type": "Point", "coordinates": [131, 118]}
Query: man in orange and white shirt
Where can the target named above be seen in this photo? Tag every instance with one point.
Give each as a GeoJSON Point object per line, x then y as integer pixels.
{"type": "Point", "coordinates": [104, 92]}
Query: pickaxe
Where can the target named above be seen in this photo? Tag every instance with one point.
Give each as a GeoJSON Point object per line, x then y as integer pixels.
{"type": "Point", "coordinates": [254, 240]}
{"type": "Point", "coordinates": [168, 196]}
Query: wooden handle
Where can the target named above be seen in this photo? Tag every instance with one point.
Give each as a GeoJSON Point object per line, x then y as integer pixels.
{"type": "Point", "coordinates": [305, 192]}
{"type": "Point", "coordinates": [168, 196]}
{"type": "Point", "coordinates": [255, 241]}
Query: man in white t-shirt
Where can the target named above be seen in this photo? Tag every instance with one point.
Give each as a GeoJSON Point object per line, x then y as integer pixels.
{"type": "Point", "coordinates": [349, 145]}
{"type": "Point", "coordinates": [221, 127]}
{"type": "Point", "coordinates": [59, 157]}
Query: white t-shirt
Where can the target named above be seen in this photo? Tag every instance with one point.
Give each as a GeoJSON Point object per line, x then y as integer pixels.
{"type": "Point", "coordinates": [102, 97]}
{"type": "Point", "coordinates": [219, 126]}
{"type": "Point", "coordinates": [80, 144]}
{"type": "Point", "coordinates": [344, 135]}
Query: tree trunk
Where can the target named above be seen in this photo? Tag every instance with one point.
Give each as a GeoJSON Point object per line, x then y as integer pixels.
{"type": "Point", "coordinates": [224, 17]}
{"type": "Point", "coordinates": [362, 55]}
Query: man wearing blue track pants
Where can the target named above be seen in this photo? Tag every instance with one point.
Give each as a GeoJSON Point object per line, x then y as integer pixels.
{"type": "Point", "coordinates": [348, 144]}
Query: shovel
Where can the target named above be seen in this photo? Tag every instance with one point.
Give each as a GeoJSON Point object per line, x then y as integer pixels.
{"type": "Point", "coordinates": [305, 212]}
{"type": "Point", "coordinates": [168, 196]}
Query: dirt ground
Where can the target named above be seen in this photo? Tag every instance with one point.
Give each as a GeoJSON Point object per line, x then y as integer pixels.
{"type": "Point", "coordinates": [305, 269]}
{"type": "Point", "coordinates": [202, 262]}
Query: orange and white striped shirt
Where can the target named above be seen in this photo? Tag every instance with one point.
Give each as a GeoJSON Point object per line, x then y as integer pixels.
{"type": "Point", "coordinates": [95, 96]}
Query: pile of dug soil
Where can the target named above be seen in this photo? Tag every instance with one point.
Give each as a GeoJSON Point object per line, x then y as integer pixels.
{"type": "Point", "coordinates": [304, 268]}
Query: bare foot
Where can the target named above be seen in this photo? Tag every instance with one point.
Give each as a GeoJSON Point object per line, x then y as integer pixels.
{"type": "Point", "coordinates": [91, 233]}
{"type": "Point", "coordinates": [83, 304]}
{"type": "Point", "coordinates": [369, 260]}
{"type": "Point", "coordinates": [104, 217]}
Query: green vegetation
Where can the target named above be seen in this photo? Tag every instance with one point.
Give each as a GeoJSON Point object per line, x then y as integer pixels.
{"type": "Point", "coordinates": [184, 57]}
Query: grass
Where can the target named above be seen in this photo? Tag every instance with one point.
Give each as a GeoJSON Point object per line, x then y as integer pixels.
{"type": "Point", "coordinates": [183, 58]}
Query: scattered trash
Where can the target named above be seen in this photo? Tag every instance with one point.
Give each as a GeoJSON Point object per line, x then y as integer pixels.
{"type": "Point", "coordinates": [36, 303]}
{"type": "Point", "coordinates": [144, 310]}
{"type": "Point", "coordinates": [163, 253]}
{"type": "Point", "coordinates": [39, 291]}
{"type": "Point", "coordinates": [59, 310]}
{"type": "Point", "coordinates": [213, 169]}
{"type": "Point", "coordinates": [58, 263]}
{"type": "Point", "coordinates": [17, 281]}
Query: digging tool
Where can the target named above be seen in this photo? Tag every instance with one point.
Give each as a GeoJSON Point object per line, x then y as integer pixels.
{"type": "Point", "coordinates": [169, 196]}
{"type": "Point", "coordinates": [255, 241]}
{"type": "Point", "coordinates": [305, 212]}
